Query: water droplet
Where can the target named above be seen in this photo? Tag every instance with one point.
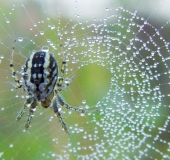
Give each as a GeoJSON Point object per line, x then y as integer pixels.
{"type": "Point", "coordinates": [137, 106]}
{"type": "Point", "coordinates": [45, 48]}
{"type": "Point", "coordinates": [11, 145]}
{"type": "Point", "coordinates": [118, 33]}
{"type": "Point", "coordinates": [82, 114]}
{"type": "Point", "coordinates": [1, 57]}
{"type": "Point", "coordinates": [65, 32]}
{"type": "Point", "coordinates": [116, 47]}
{"type": "Point", "coordinates": [145, 22]}
{"type": "Point", "coordinates": [20, 39]}
{"type": "Point", "coordinates": [7, 21]}
{"type": "Point", "coordinates": [133, 23]}
{"type": "Point", "coordinates": [157, 88]}
{"type": "Point", "coordinates": [152, 53]}
{"type": "Point", "coordinates": [128, 30]}
{"type": "Point", "coordinates": [52, 26]}
{"type": "Point", "coordinates": [1, 153]}
{"type": "Point", "coordinates": [83, 101]}
{"type": "Point", "coordinates": [124, 36]}
{"type": "Point", "coordinates": [48, 40]}
{"type": "Point", "coordinates": [128, 47]}
{"type": "Point", "coordinates": [41, 32]}
{"type": "Point", "coordinates": [147, 68]}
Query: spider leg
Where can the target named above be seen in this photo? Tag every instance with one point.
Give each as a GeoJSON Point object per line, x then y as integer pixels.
{"type": "Point", "coordinates": [31, 113]}
{"type": "Point", "coordinates": [77, 109]}
{"type": "Point", "coordinates": [62, 71]}
{"type": "Point", "coordinates": [56, 111]}
{"type": "Point", "coordinates": [12, 68]}
{"type": "Point", "coordinates": [67, 82]}
{"type": "Point", "coordinates": [28, 102]}
{"type": "Point", "coordinates": [63, 67]}
{"type": "Point", "coordinates": [60, 79]}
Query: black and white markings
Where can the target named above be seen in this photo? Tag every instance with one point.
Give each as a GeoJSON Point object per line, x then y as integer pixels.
{"type": "Point", "coordinates": [42, 73]}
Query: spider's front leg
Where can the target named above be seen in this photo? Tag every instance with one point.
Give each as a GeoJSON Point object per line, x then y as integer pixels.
{"type": "Point", "coordinates": [62, 71]}
{"type": "Point", "coordinates": [13, 70]}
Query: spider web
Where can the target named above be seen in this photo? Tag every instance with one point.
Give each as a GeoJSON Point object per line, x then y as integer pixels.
{"type": "Point", "coordinates": [118, 52]}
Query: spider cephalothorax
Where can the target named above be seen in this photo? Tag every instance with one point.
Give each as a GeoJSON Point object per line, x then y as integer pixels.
{"type": "Point", "coordinates": [42, 85]}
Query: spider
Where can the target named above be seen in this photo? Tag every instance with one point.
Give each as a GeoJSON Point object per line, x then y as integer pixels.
{"type": "Point", "coordinates": [42, 85]}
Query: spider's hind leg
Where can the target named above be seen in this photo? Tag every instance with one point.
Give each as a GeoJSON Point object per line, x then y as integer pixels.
{"type": "Point", "coordinates": [56, 111]}
{"type": "Point", "coordinates": [33, 106]}
{"type": "Point", "coordinates": [28, 102]}
{"type": "Point", "coordinates": [64, 104]}
{"type": "Point", "coordinates": [77, 109]}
